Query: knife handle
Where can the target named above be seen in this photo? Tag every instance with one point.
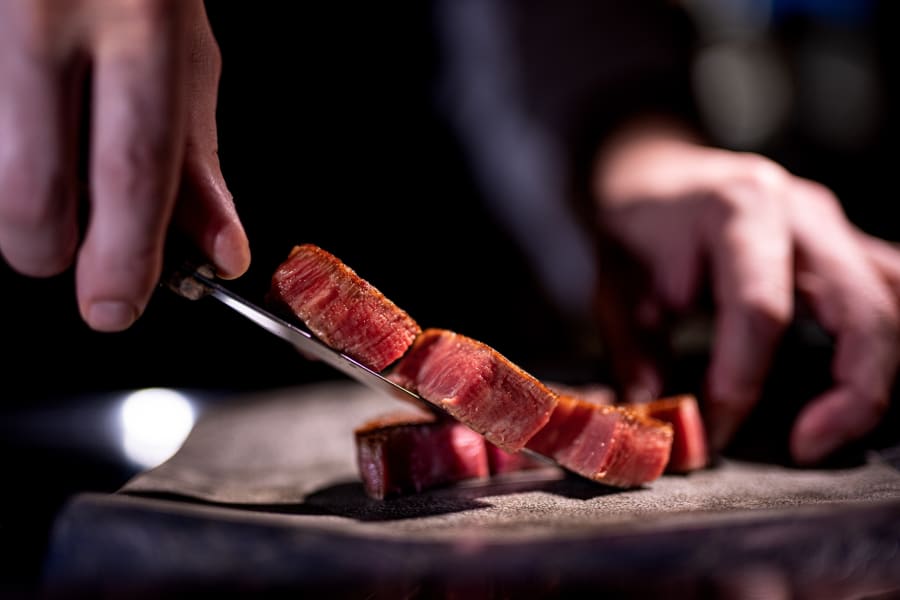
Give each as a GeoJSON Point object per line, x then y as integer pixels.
{"type": "Point", "coordinates": [182, 261]}
{"type": "Point", "coordinates": [182, 281]}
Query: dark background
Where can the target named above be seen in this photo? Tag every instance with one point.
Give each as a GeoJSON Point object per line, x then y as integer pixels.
{"type": "Point", "coordinates": [329, 134]}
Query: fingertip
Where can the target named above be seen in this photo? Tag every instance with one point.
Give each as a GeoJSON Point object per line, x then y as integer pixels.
{"type": "Point", "coordinates": [832, 420]}
{"type": "Point", "coordinates": [43, 246]}
{"type": "Point", "coordinates": [231, 252]}
{"type": "Point", "coordinates": [38, 262]}
{"type": "Point", "coordinates": [206, 212]}
{"type": "Point", "coordinates": [811, 442]}
{"type": "Point", "coordinates": [114, 287]}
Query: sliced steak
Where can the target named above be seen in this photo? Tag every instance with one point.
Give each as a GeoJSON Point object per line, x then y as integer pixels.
{"type": "Point", "coordinates": [690, 451]}
{"type": "Point", "coordinates": [477, 385]}
{"type": "Point", "coordinates": [689, 445]}
{"type": "Point", "coordinates": [608, 444]}
{"type": "Point", "coordinates": [340, 308]}
{"type": "Point", "coordinates": [408, 453]}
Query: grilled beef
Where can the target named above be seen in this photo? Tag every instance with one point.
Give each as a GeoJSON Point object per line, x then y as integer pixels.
{"type": "Point", "coordinates": [477, 385]}
{"type": "Point", "coordinates": [411, 452]}
{"type": "Point", "coordinates": [689, 448]}
{"type": "Point", "coordinates": [340, 308]}
{"type": "Point", "coordinates": [608, 444]}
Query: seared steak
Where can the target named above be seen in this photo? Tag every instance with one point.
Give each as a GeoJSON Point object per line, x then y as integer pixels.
{"type": "Point", "coordinates": [408, 453]}
{"type": "Point", "coordinates": [477, 385]}
{"type": "Point", "coordinates": [608, 444]}
{"type": "Point", "coordinates": [689, 448]}
{"type": "Point", "coordinates": [340, 308]}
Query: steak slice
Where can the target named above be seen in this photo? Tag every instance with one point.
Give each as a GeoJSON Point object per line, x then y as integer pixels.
{"type": "Point", "coordinates": [340, 308]}
{"type": "Point", "coordinates": [690, 451]}
{"type": "Point", "coordinates": [477, 385]}
{"type": "Point", "coordinates": [407, 453]}
{"type": "Point", "coordinates": [612, 445]}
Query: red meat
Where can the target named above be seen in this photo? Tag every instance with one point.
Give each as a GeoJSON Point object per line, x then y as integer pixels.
{"type": "Point", "coordinates": [340, 308]}
{"type": "Point", "coordinates": [689, 448]}
{"type": "Point", "coordinates": [477, 385]}
{"type": "Point", "coordinates": [409, 452]}
{"type": "Point", "coordinates": [608, 444]}
{"type": "Point", "coordinates": [689, 445]}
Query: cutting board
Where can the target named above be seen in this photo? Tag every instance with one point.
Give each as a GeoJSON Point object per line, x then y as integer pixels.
{"type": "Point", "coordinates": [264, 493]}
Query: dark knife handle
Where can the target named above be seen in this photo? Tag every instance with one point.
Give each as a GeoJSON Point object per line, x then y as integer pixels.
{"type": "Point", "coordinates": [182, 261]}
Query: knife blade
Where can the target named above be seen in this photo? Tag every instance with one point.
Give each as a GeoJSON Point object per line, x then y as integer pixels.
{"type": "Point", "coordinates": [197, 280]}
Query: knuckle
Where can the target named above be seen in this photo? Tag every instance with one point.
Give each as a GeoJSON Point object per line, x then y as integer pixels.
{"type": "Point", "coordinates": [759, 177]}
{"type": "Point", "coordinates": [753, 183]}
{"type": "Point", "coordinates": [123, 168]}
{"type": "Point", "coordinates": [763, 171]}
{"type": "Point", "coordinates": [767, 311]}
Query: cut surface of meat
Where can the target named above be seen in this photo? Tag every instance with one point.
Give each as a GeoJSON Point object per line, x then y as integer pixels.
{"type": "Point", "coordinates": [406, 453]}
{"type": "Point", "coordinates": [608, 444]}
{"type": "Point", "coordinates": [342, 309]}
{"type": "Point", "coordinates": [498, 408]}
{"type": "Point", "coordinates": [477, 385]}
{"type": "Point", "coordinates": [690, 450]}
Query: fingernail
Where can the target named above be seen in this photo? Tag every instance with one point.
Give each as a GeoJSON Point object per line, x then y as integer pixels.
{"type": "Point", "coordinates": [111, 316]}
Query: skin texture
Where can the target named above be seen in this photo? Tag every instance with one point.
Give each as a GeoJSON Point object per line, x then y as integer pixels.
{"type": "Point", "coordinates": [150, 69]}
{"type": "Point", "coordinates": [679, 218]}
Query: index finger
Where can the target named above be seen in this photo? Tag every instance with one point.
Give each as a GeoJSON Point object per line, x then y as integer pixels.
{"type": "Point", "coordinates": [138, 132]}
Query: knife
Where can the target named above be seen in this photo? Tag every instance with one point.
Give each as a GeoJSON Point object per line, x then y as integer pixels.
{"type": "Point", "coordinates": [194, 281]}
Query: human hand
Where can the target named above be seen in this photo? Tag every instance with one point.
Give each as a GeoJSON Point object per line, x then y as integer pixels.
{"type": "Point", "coordinates": [692, 218]}
{"type": "Point", "coordinates": [149, 70]}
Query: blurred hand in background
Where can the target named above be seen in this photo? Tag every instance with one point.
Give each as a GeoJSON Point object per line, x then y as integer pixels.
{"type": "Point", "coordinates": [679, 218]}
